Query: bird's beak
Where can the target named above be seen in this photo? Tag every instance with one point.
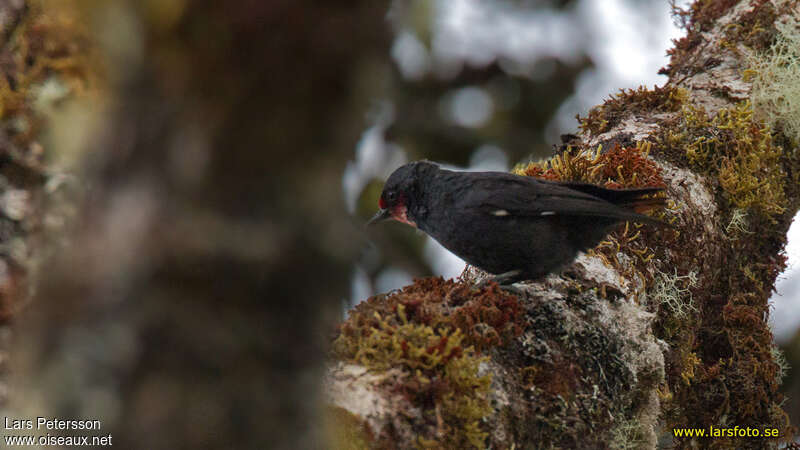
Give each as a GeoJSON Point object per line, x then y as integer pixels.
{"type": "Point", "coordinates": [380, 216]}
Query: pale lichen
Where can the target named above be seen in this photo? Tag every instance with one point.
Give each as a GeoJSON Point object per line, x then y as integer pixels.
{"type": "Point", "coordinates": [673, 292]}
{"type": "Point", "coordinates": [776, 80]}
{"type": "Point", "coordinates": [737, 225]}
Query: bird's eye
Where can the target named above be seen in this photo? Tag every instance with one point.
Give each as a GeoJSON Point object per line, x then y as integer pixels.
{"type": "Point", "coordinates": [390, 196]}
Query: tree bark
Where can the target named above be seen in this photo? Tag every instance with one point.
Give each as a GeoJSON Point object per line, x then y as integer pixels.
{"type": "Point", "coordinates": [653, 330]}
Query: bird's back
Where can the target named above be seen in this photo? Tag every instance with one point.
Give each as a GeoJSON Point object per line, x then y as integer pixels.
{"type": "Point", "coordinates": [502, 222]}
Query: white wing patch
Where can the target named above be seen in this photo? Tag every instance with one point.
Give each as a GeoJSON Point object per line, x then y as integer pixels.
{"type": "Point", "coordinates": [503, 213]}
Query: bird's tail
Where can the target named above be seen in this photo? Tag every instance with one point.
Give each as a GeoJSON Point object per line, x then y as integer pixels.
{"type": "Point", "coordinates": [645, 204]}
{"type": "Point", "coordinates": [639, 206]}
{"type": "Point", "coordinates": [639, 200]}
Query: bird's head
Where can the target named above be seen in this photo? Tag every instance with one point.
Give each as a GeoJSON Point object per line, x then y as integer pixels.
{"type": "Point", "coordinates": [400, 193]}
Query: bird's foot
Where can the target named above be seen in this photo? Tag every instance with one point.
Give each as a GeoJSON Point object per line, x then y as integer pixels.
{"type": "Point", "coordinates": [505, 281]}
{"type": "Point", "coordinates": [506, 278]}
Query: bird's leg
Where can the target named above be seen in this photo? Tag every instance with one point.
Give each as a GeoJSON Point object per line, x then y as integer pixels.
{"type": "Point", "coordinates": [506, 278]}
{"type": "Point", "coordinates": [503, 279]}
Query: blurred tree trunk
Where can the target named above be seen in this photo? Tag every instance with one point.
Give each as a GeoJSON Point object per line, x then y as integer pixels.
{"type": "Point", "coordinates": [653, 330]}
{"type": "Point", "coordinates": [193, 305]}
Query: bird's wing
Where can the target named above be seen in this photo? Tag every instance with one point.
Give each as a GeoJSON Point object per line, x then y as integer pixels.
{"type": "Point", "coordinates": [515, 196]}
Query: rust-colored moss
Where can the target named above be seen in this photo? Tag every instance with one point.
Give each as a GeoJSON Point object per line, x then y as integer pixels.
{"type": "Point", "coordinates": [487, 317]}
{"type": "Point", "coordinates": [618, 167]}
{"type": "Point", "coordinates": [699, 17]}
{"type": "Point", "coordinates": [705, 12]}
{"type": "Point", "coordinates": [631, 102]}
{"type": "Point", "coordinates": [756, 26]}
{"type": "Point", "coordinates": [557, 379]}
{"type": "Point", "coordinates": [720, 368]}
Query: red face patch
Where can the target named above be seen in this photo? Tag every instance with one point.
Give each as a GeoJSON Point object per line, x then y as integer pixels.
{"type": "Point", "coordinates": [381, 203]}
{"type": "Point", "coordinates": [400, 214]}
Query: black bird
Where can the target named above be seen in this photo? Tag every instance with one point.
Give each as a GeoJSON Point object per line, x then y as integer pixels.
{"type": "Point", "coordinates": [515, 227]}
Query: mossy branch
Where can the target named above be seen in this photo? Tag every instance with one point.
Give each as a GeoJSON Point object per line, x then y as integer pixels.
{"type": "Point", "coordinates": [653, 329]}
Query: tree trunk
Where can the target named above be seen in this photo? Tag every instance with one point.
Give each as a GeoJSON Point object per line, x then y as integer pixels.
{"type": "Point", "coordinates": [655, 329]}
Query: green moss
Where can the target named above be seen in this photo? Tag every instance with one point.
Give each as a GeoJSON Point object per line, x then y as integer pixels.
{"type": "Point", "coordinates": [411, 345]}
{"type": "Point", "coordinates": [689, 364]}
{"type": "Point", "coordinates": [441, 375]}
{"type": "Point", "coordinates": [433, 332]}
{"type": "Point", "coordinates": [720, 366]}
{"type": "Point", "coordinates": [739, 152]}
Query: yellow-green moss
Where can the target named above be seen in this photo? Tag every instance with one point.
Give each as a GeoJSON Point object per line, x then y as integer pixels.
{"type": "Point", "coordinates": [414, 346]}
{"type": "Point", "coordinates": [690, 362]}
{"type": "Point", "coordinates": [739, 151]}
{"type": "Point", "coordinates": [440, 373]}
{"type": "Point", "coordinates": [720, 368]}
{"type": "Point", "coordinates": [428, 332]}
